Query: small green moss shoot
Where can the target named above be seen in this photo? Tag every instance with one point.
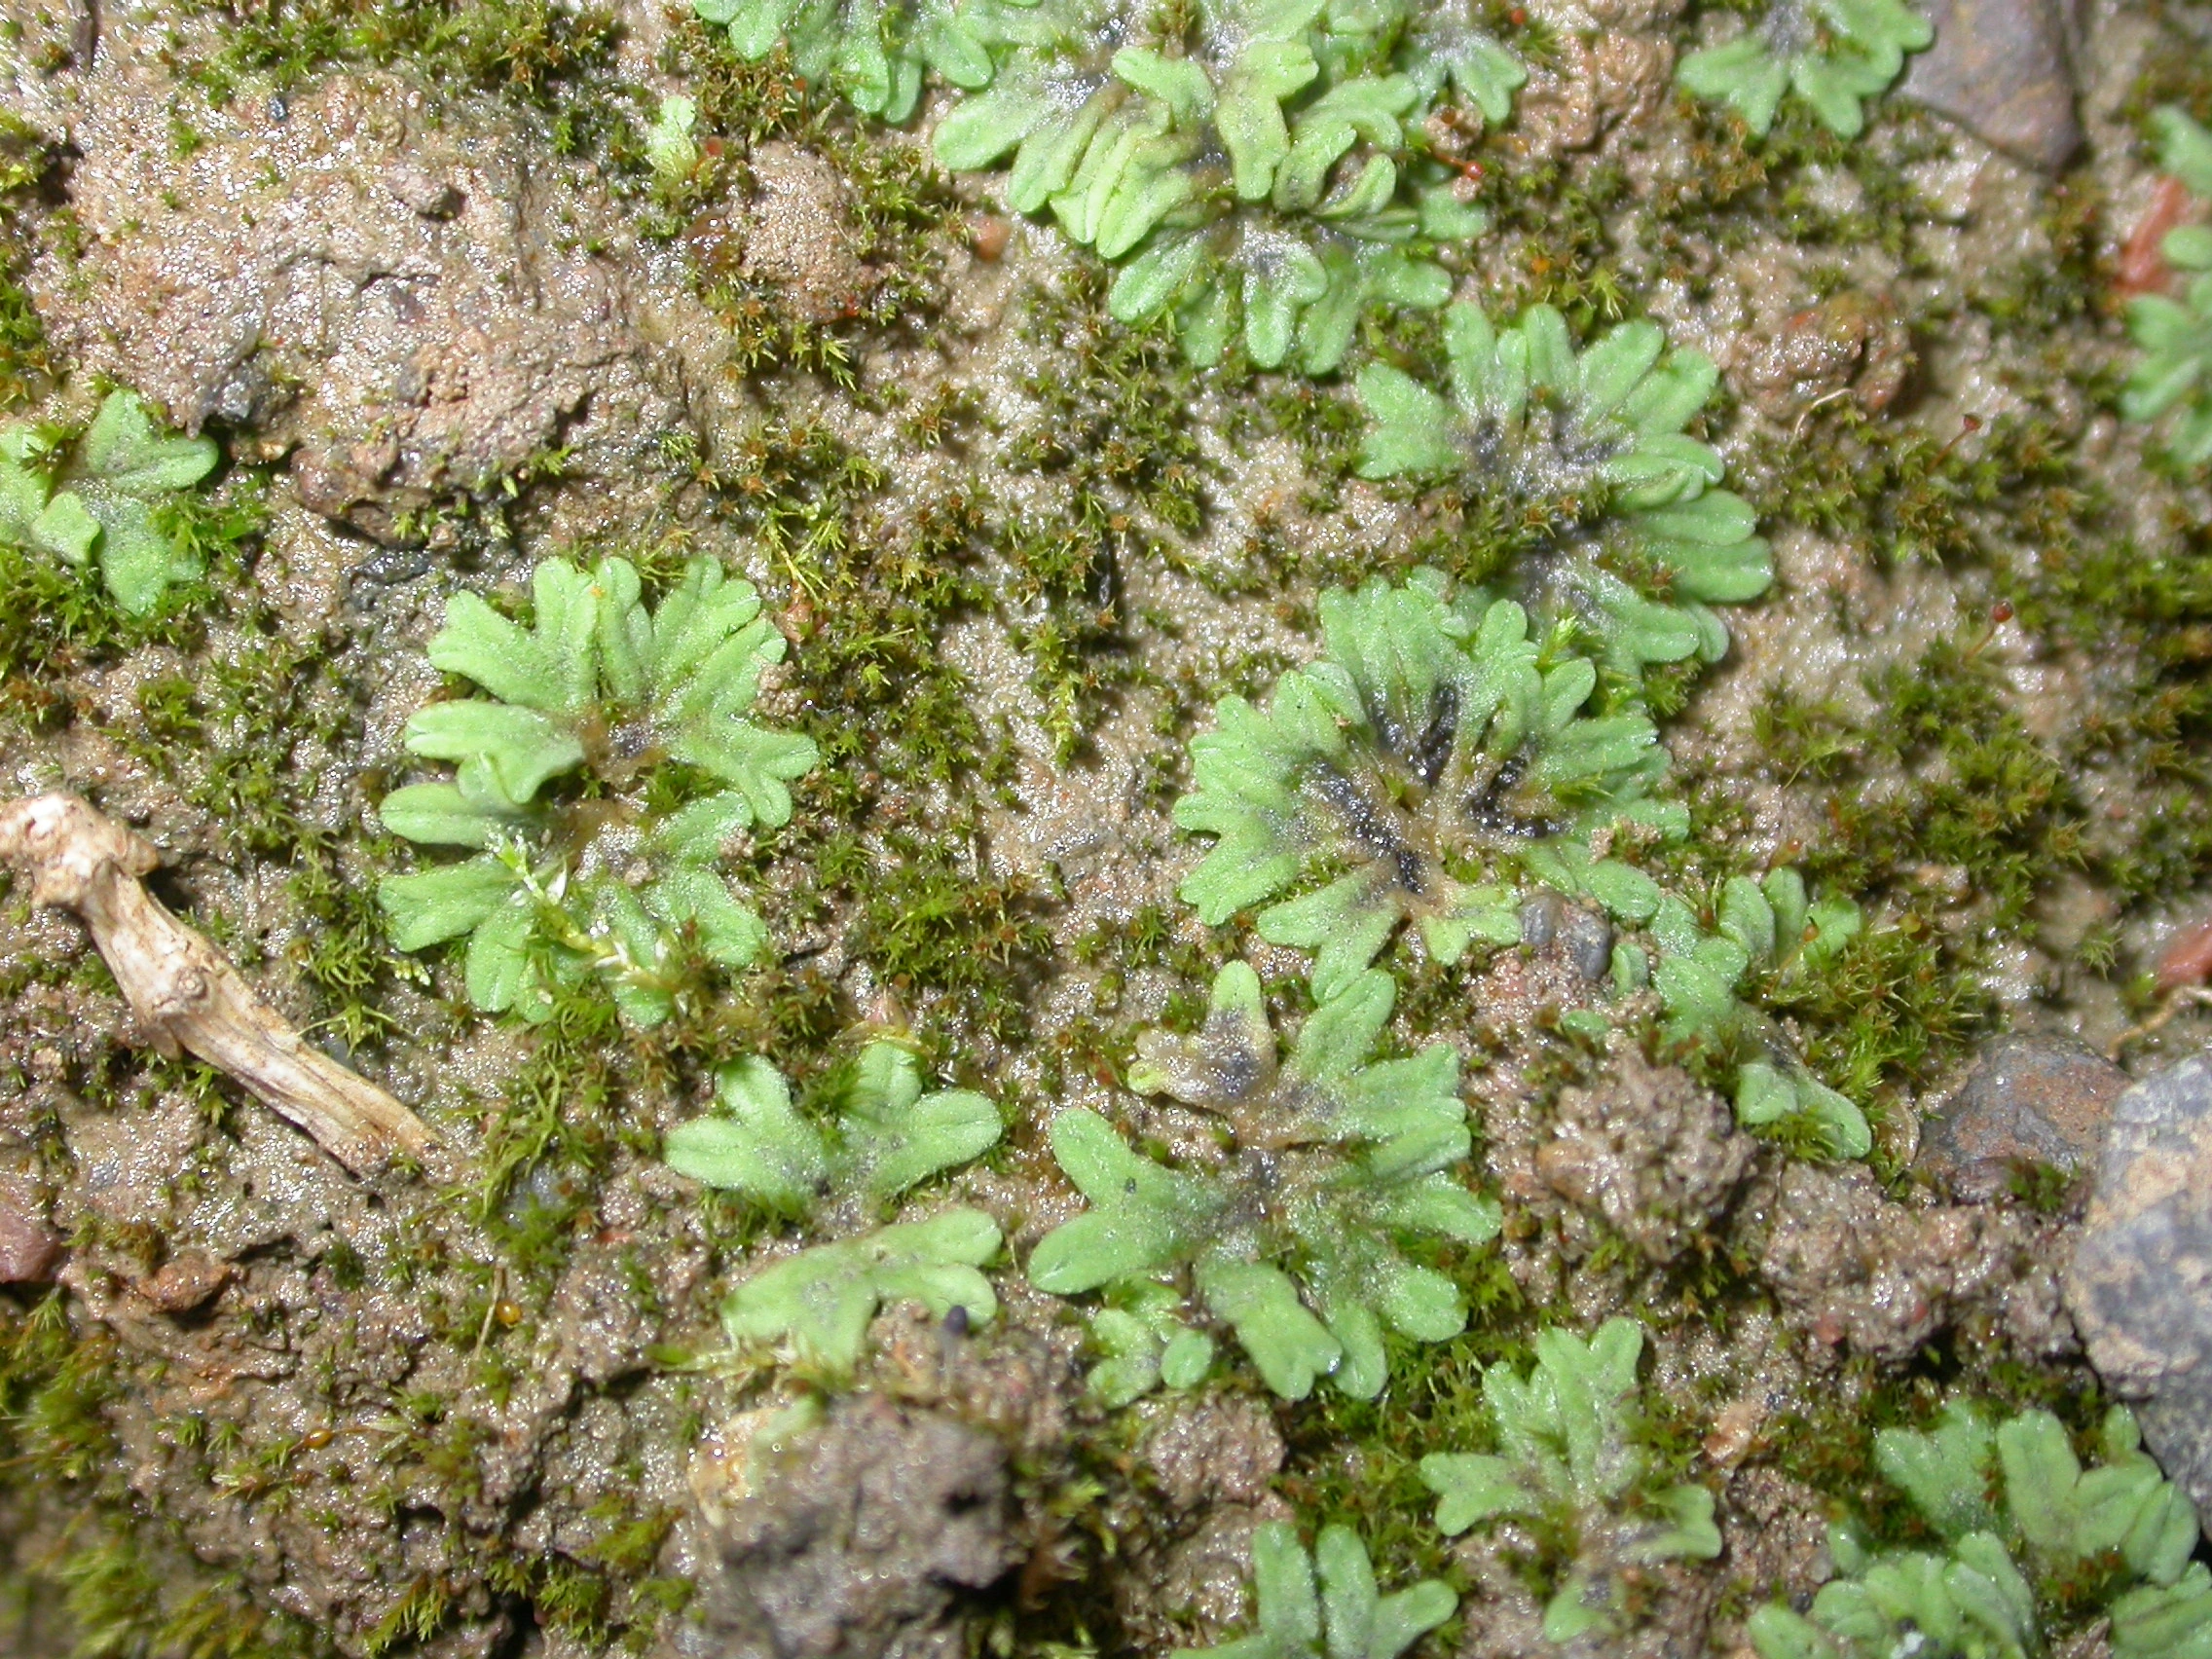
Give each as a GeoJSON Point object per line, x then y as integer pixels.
{"type": "Point", "coordinates": [1332, 1160]}
{"type": "Point", "coordinates": [548, 57]}
{"type": "Point", "coordinates": [900, 212]}
{"type": "Point", "coordinates": [1326, 1605]}
{"type": "Point", "coordinates": [1621, 527]}
{"type": "Point", "coordinates": [125, 1582]}
{"type": "Point", "coordinates": [651, 707]}
{"type": "Point", "coordinates": [25, 366]}
{"type": "Point", "coordinates": [2032, 1547]}
{"type": "Point", "coordinates": [880, 1133]}
{"type": "Point", "coordinates": [1832, 53]}
{"type": "Point", "coordinates": [1409, 775]}
{"type": "Point", "coordinates": [2174, 375]}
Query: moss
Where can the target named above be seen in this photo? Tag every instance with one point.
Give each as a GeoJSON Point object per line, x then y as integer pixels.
{"type": "Point", "coordinates": [52, 624]}
{"type": "Point", "coordinates": [1076, 649]}
{"type": "Point", "coordinates": [872, 594]}
{"type": "Point", "coordinates": [1326, 426]}
{"type": "Point", "coordinates": [25, 166]}
{"type": "Point", "coordinates": [1898, 495]}
{"type": "Point", "coordinates": [2148, 613]}
{"type": "Point", "coordinates": [1944, 809]}
{"type": "Point", "coordinates": [1892, 1010]}
{"type": "Point", "coordinates": [124, 1582]}
{"type": "Point", "coordinates": [1947, 808]}
{"type": "Point", "coordinates": [885, 861]}
{"type": "Point", "coordinates": [236, 721]}
{"type": "Point", "coordinates": [2178, 78]}
{"type": "Point", "coordinates": [2037, 295]}
{"type": "Point", "coordinates": [1739, 185]}
{"type": "Point", "coordinates": [796, 1012]}
{"type": "Point", "coordinates": [902, 213]}
{"type": "Point", "coordinates": [561, 1116]}
{"type": "Point", "coordinates": [1105, 425]}
{"type": "Point", "coordinates": [544, 55]}
{"type": "Point", "coordinates": [126, 1602]}
{"type": "Point", "coordinates": [631, 1542]}
{"type": "Point", "coordinates": [933, 918]}
{"type": "Point", "coordinates": [347, 1271]}
{"type": "Point", "coordinates": [1948, 814]}
{"type": "Point", "coordinates": [872, 591]}
{"type": "Point", "coordinates": [1113, 422]}
{"type": "Point", "coordinates": [342, 949]}
{"type": "Point", "coordinates": [1146, 938]}
{"type": "Point", "coordinates": [1977, 793]}
{"type": "Point", "coordinates": [1552, 215]}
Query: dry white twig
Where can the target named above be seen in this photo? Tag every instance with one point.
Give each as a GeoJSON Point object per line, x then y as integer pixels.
{"type": "Point", "coordinates": [185, 992]}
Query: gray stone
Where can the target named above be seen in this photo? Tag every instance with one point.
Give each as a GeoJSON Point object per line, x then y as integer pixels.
{"type": "Point", "coordinates": [1588, 940]}
{"type": "Point", "coordinates": [2139, 1286]}
{"type": "Point", "coordinates": [2001, 69]}
{"type": "Point", "coordinates": [2029, 1100]}
{"type": "Point", "coordinates": [1584, 936]}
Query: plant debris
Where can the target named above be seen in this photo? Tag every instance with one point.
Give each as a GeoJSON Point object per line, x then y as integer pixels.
{"type": "Point", "coordinates": [186, 993]}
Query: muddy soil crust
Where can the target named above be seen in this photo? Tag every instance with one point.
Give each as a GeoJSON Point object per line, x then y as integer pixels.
{"type": "Point", "coordinates": [443, 327]}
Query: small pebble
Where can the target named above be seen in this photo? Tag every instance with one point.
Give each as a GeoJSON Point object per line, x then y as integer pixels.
{"type": "Point", "coordinates": [2136, 1284]}
{"type": "Point", "coordinates": [185, 1282]}
{"type": "Point", "coordinates": [2001, 69]}
{"type": "Point", "coordinates": [29, 1251]}
{"type": "Point", "coordinates": [1540, 920]}
{"type": "Point", "coordinates": [1588, 940]}
{"type": "Point", "coordinates": [2029, 1100]}
{"type": "Point", "coordinates": [1584, 936]}
{"type": "Point", "coordinates": [1735, 1432]}
{"type": "Point", "coordinates": [2187, 959]}
{"type": "Point", "coordinates": [422, 193]}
